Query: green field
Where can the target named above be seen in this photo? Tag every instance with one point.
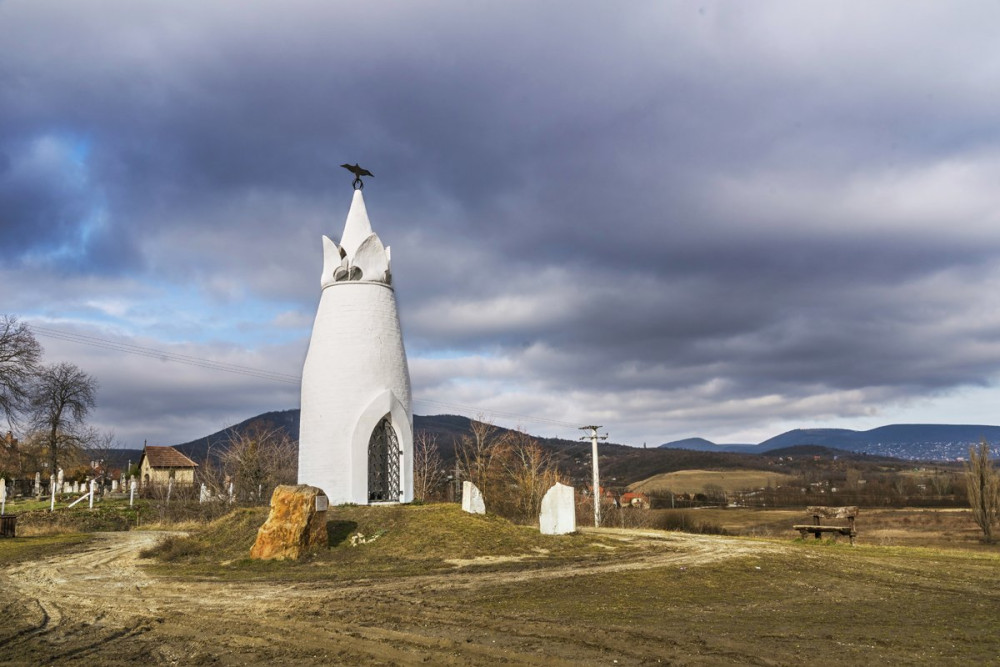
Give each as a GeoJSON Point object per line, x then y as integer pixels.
{"type": "Point", "coordinates": [695, 481]}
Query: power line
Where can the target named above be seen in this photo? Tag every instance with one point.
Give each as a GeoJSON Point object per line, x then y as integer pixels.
{"type": "Point", "coordinates": [249, 371]}
{"type": "Point", "coordinates": [494, 413]}
{"type": "Point", "coordinates": [152, 353]}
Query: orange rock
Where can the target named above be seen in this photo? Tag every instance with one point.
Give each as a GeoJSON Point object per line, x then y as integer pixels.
{"type": "Point", "coordinates": [293, 527]}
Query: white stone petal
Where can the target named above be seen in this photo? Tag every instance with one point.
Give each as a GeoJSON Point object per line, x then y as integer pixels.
{"type": "Point", "coordinates": [371, 258]}
{"type": "Point", "coordinates": [332, 259]}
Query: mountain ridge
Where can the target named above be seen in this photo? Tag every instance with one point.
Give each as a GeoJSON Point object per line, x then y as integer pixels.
{"type": "Point", "coordinates": [930, 442]}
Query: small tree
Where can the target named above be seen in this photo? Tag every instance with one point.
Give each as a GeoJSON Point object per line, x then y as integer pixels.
{"type": "Point", "coordinates": [478, 455]}
{"type": "Point", "coordinates": [983, 485]}
{"type": "Point", "coordinates": [258, 459]}
{"type": "Point", "coordinates": [19, 354]}
{"type": "Point", "coordinates": [428, 472]}
{"type": "Point", "coordinates": [61, 398]}
{"type": "Point", "coordinates": [528, 473]}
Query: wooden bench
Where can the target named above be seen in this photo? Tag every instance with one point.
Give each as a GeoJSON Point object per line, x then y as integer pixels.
{"type": "Point", "coordinates": [817, 528]}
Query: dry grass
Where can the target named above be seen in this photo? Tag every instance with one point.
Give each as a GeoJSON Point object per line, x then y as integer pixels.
{"type": "Point", "coordinates": [819, 604]}
{"type": "Point", "coordinates": [18, 549]}
{"type": "Point", "coordinates": [695, 481]}
{"type": "Point", "coordinates": [912, 527]}
{"type": "Point", "coordinates": [408, 539]}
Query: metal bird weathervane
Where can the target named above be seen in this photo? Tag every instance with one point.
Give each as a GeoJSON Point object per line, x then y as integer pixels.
{"type": "Point", "coordinates": [358, 173]}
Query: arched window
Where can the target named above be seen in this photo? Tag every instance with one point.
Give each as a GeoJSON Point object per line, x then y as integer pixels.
{"type": "Point", "coordinates": [383, 463]}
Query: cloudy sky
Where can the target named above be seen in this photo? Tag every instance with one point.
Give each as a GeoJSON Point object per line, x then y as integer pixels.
{"type": "Point", "coordinates": [669, 218]}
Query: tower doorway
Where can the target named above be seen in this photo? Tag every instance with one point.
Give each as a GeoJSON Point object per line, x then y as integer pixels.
{"type": "Point", "coordinates": [383, 463]}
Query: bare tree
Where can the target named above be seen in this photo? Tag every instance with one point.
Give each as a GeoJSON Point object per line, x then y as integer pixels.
{"type": "Point", "coordinates": [428, 468]}
{"type": "Point", "coordinates": [101, 450]}
{"type": "Point", "coordinates": [478, 454]}
{"type": "Point", "coordinates": [529, 472]}
{"type": "Point", "coordinates": [61, 398]}
{"type": "Point", "coordinates": [983, 484]}
{"type": "Point", "coordinates": [19, 354]}
{"type": "Point", "coordinates": [258, 459]}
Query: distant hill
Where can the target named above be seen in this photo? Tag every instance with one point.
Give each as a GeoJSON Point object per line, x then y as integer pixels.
{"type": "Point", "coordinates": [198, 450]}
{"type": "Point", "coordinates": [927, 442]}
{"type": "Point", "coordinates": [620, 464]}
{"type": "Point", "coordinates": [703, 445]}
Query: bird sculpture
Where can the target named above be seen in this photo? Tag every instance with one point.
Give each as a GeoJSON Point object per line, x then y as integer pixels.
{"type": "Point", "coordinates": [358, 173]}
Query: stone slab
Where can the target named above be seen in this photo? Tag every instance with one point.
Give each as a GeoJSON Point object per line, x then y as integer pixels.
{"type": "Point", "coordinates": [293, 527]}
{"type": "Point", "coordinates": [472, 499]}
{"type": "Point", "coordinates": [558, 515]}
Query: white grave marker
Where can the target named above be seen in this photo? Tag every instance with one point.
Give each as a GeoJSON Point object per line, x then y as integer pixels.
{"type": "Point", "coordinates": [558, 515]}
{"type": "Point", "coordinates": [472, 499]}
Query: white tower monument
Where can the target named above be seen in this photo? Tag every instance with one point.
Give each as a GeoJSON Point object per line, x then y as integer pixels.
{"type": "Point", "coordinates": [356, 425]}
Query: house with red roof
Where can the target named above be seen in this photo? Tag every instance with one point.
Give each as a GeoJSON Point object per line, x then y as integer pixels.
{"type": "Point", "coordinates": [159, 465]}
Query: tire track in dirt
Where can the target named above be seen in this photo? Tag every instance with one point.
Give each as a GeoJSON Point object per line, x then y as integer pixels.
{"type": "Point", "coordinates": [99, 602]}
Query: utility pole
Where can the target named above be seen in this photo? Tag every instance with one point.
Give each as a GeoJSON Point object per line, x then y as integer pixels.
{"type": "Point", "coordinates": [593, 437]}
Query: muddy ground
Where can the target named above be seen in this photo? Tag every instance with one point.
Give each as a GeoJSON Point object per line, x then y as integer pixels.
{"type": "Point", "coordinates": [96, 604]}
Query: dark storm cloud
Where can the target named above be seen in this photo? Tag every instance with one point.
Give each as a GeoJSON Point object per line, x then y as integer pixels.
{"type": "Point", "coordinates": [712, 205]}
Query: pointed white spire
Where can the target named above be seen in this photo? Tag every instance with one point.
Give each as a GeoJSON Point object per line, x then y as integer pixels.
{"type": "Point", "coordinates": [357, 228]}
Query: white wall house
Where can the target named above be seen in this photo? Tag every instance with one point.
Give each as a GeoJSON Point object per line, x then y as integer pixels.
{"type": "Point", "coordinates": [356, 428]}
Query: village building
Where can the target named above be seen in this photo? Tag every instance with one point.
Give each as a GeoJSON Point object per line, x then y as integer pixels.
{"type": "Point", "coordinates": [356, 423]}
{"type": "Point", "coordinates": [159, 465]}
{"type": "Point", "coordinates": [635, 499]}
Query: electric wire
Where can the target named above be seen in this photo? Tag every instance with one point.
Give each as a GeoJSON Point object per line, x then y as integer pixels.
{"type": "Point", "coordinates": [152, 353]}
{"type": "Point", "coordinates": [258, 373]}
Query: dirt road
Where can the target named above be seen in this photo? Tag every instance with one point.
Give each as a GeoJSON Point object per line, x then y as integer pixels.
{"type": "Point", "coordinates": [97, 603]}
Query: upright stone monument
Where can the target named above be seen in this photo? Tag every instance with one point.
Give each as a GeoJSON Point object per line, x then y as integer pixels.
{"type": "Point", "coordinates": [295, 525]}
{"type": "Point", "coordinates": [356, 423]}
{"type": "Point", "coordinates": [558, 515]}
{"type": "Point", "coordinates": [472, 499]}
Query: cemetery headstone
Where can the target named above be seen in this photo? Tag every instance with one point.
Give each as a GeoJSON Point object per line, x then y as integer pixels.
{"type": "Point", "coordinates": [558, 515]}
{"type": "Point", "coordinates": [472, 499]}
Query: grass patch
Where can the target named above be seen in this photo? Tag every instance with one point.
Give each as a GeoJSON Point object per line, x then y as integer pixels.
{"type": "Point", "coordinates": [695, 481]}
{"type": "Point", "coordinates": [825, 605]}
{"type": "Point", "coordinates": [364, 542]}
{"type": "Point", "coordinates": [106, 516]}
{"type": "Point", "coordinates": [225, 539]}
{"type": "Point", "coordinates": [19, 549]}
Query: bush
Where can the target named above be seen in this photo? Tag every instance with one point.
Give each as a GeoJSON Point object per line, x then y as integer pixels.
{"type": "Point", "coordinates": [105, 517]}
{"type": "Point", "coordinates": [173, 548]}
{"type": "Point", "coordinates": [685, 523]}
